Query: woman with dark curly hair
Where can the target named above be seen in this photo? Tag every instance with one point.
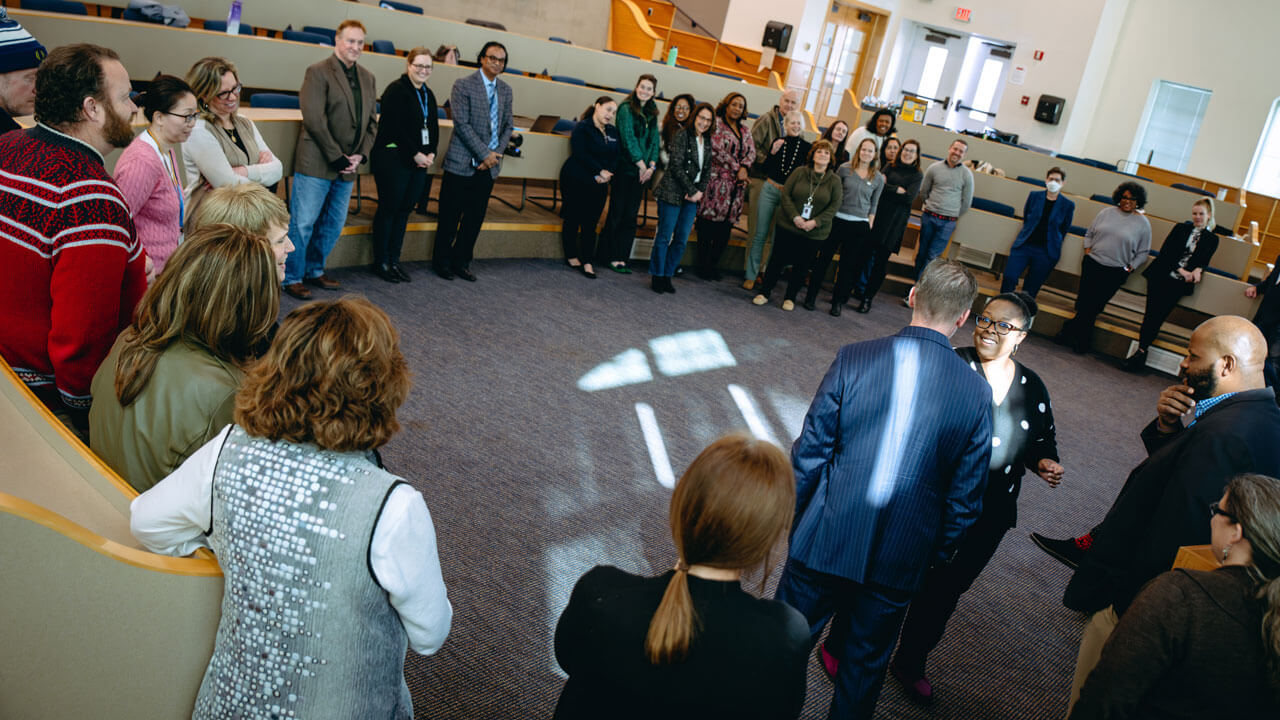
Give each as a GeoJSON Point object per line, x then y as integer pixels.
{"type": "Point", "coordinates": [881, 125]}
{"type": "Point", "coordinates": [1202, 643]}
{"type": "Point", "coordinates": [732, 152]}
{"type": "Point", "coordinates": [1115, 245]}
{"type": "Point", "coordinates": [330, 561]}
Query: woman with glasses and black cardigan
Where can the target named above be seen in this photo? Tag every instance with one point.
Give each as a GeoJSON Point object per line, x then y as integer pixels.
{"type": "Point", "coordinates": [403, 152]}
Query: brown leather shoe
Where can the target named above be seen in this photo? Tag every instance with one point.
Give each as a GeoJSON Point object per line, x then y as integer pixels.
{"type": "Point", "coordinates": [324, 281]}
{"type": "Point", "coordinates": [298, 290]}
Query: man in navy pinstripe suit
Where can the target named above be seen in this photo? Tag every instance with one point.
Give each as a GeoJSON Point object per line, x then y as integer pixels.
{"type": "Point", "coordinates": [890, 470]}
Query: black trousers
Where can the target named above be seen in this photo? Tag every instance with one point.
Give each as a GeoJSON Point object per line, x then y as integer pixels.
{"type": "Point", "coordinates": [713, 238]}
{"type": "Point", "coordinates": [1271, 369]}
{"type": "Point", "coordinates": [620, 223]}
{"type": "Point", "coordinates": [1163, 295]}
{"type": "Point", "coordinates": [464, 200]}
{"type": "Point", "coordinates": [789, 249]}
{"type": "Point", "coordinates": [399, 187]}
{"type": "Point", "coordinates": [425, 195]}
{"type": "Point", "coordinates": [581, 208]}
{"type": "Point", "coordinates": [935, 601]}
{"type": "Point", "coordinates": [1098, 283]}
{"type": "Point", "coordinates": [852, 238]}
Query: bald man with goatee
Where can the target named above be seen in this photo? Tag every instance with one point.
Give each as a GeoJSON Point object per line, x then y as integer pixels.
{"type": "Point", "coordinates": [1219, 421]}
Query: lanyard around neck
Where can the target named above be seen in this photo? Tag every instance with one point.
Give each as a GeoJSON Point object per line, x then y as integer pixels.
{"type": "Point", "coordinates": [170, 163]}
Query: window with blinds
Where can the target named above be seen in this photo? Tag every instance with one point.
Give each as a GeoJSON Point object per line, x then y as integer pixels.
{"type": "Point", "coordinates": [1170, 124]}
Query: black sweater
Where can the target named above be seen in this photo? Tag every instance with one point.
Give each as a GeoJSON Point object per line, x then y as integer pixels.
{"type": "Point", "coordinates": [747, 659]}
{"type": "Point", "coordinates": [400, 121]}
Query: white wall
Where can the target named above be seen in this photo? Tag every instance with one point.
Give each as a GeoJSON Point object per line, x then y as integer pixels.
{"type": "Point", "coordinates": [1229, 48]}
{"type": "Point", "coordinates": [744, 23]}
{"type": "Point", "coordinates": [1063, 30]}
{"type": "Point", "coordinates": [585, 22]}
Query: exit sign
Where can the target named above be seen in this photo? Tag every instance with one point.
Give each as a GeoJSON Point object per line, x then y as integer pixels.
{"type": "Point", "coordinates": [962, 14]}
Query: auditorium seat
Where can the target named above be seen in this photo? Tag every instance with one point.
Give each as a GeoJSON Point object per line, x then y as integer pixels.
{"type": "Point", "coordinates": [274, 100]}
{"type": "Point", "coordinates": [486, 23]}
{"type": "Point", "coordinates": [383, 47]}
{"type": "Point", "coordinates": [564, 126]}
{"type": "Point", "coordinates": [1072, 158]}
{"type": "Point", "coordinates": [133, 15]}
{"type": "Point", "coordinates": [569, 79]}
{"type": "Point", "coordinates": [1077, 230]}
{"type": "Point", "coordinates": [723, 75]}
{"type": "Point", "coordinates": [1104, 199]}
{"type": "Point", "coordinates": [1030, 180]}
{"type": "Point", "coordinates": [306, 37]}
{"type": "Point", "coordinates": [56, 6]}
{"type": "Point", "coordinates": [402, 7]}
{"type": "Point", "coordinates": [221, 26]}
{"type": "Point", "coordinates": [615, 52]}
{"type": "Point", "coordinates": [1192, 188]}
{"type": "Point", "coordinates": [327, 32]}
{"type": "Point", "coordinates": [992, 206]}
{"type": "Point", "coordinates": [553, 38]}
{"type": "Point", "coordinates": [1106, 166]}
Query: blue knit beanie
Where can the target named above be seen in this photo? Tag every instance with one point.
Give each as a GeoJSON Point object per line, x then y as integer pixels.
{"type": "Point", "coordinates": [18, 50]}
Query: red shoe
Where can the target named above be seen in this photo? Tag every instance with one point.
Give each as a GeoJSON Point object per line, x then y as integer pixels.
{"type": "Point", "coordinates": [917, 688]}
{"type": "Point", "coordinates": [828, 662]}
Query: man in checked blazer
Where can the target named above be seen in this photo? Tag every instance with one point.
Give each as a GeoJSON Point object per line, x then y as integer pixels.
{"type": "Point", "coordinates": [481, 130]}
{"type": "Point", "coordinates": [890, 470]}
{"type": "Point", "coordinates": [338, 129]}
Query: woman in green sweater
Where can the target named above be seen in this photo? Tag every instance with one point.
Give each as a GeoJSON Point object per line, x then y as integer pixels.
{"type": "Point", "coordinates": [638, 130]}
{"type": "Point", "coordinates": [810, 199]}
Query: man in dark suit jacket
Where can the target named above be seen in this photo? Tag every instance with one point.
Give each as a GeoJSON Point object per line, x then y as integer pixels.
{"type": "Point", "coordinates": [338, 128]}
{"type": "Point", "coordinates": [1164, 502]}
{"type": "Point", "coordinates": [1046, 219]}
{"type": "Point", "coordinates": [1267, 318]}
{"type": "Point", "coordinates": [481, 107]}
{"type": "Point", "coordinates": [890, 470]}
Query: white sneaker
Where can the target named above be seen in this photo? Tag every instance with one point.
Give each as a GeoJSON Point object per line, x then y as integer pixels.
{"type": "Point", "coordinates": [788, 305]}
{"type": "Point", "coordinates": [759, 300]}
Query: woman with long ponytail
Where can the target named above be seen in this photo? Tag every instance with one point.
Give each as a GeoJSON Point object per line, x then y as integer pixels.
{"type": "Point", "coordinates": [684, 644]}
{"type": "Point", "coordinates": [1198, 644]}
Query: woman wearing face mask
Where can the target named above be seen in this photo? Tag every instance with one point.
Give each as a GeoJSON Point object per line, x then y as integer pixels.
{"type": "Point", "coordinates": [862, 187]}
{"type": "Point", "coordinates": [902, 179]}
{"type": "Point", "coordinates": [732, 152]}
{"type": "Point", "coordinates": [786, 154]}
{"type": "Point", "coordinates": [836, 134]}
{"type": "Point", "coordinates": [1174, 273]}
{"type": "Point", "coordinates": [1202, 643]}
{"type": "Point", "coordinates": [678, 195]}
{"type": "Point", "coordinates": [810, 199]}
{"type": "Point", "coordinates": [403, 152]}
{"type": "Point", "coordinates": [637, 122]}
{"type": "Point", "coordinates": [1046, 220]}
{"type": "Point", "coordinates": [150, 172]}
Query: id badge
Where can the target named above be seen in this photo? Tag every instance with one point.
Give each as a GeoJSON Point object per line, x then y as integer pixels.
{"type": "Point", "coordinates": [807, 210]}
{"type": "Point", "coordinates": [426, 137]}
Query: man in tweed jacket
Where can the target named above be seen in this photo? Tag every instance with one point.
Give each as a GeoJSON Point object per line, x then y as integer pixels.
{"type": "Point", "coordinates": [481, 108]}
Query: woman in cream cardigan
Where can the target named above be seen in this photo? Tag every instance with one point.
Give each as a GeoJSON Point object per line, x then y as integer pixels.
{"type": "Point", "coordinates": [225, 148]}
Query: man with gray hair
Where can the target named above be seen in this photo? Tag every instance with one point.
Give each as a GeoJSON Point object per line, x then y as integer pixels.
{"type": "Point", "coordinates": [890, 470]}
{"type": "Point", "coordinates": [766, 129]}
{"type": "Point", "coordinates": [20, 55]}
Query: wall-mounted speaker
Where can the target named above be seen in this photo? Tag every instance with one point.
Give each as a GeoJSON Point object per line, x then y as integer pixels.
{"type": "Point", "coordinates": [777, 35]}
{"type": "Point", "coordinates": [1049, 109]}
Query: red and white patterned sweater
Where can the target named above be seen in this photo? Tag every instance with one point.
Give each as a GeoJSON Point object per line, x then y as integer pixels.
{"type": "Point", "coordinates": [71, 268]}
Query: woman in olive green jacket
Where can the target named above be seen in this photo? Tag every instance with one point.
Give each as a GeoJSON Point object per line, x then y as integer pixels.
{"type": "Point", "coordinates": [810, 199]}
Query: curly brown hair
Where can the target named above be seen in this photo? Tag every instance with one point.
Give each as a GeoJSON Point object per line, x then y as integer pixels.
{"type": "Point", "coordinates": [334, 376]}
{"type": "Point", "coordinates": [67, 76]}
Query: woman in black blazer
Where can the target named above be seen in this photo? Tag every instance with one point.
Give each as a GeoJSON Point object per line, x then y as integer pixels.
{"type": "Point", "coordinates": [403, 152]}
{"type": "Point", "coordinates": [1174, 273]}
{"type": "Point", "coordinates": [584, 182]}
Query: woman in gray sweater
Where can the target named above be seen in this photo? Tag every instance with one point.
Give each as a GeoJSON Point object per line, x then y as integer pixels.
{"type": "Point", "coordinates": [862, 184]}
{"type": "Point", "coordinates": [1198, 644]}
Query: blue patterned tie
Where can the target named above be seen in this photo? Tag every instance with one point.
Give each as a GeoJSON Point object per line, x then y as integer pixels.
{"type": "Point", "coordinates": [493, 115]}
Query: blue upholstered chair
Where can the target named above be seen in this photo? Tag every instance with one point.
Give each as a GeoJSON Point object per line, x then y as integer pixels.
{"type": "Point", "coordinates": [306, 37]}
{"type": "Point", "coordinates": [221, 26]}
{"type": "Point", "coordinates": [402, 7]}
{"type": "Point", "coordinates": [383, 47]}
{"type": "Point", "coordinates": [274, 100]}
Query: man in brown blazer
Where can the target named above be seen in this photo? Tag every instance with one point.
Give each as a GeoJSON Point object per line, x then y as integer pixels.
{"type": "Point", "coordinates": [338, 128]}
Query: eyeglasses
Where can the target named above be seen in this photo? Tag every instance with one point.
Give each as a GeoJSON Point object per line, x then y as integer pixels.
{"type": "Point", "coordinates": [1002, 328]}
{"type": "Point", "coordinates": [417, 66]}
{"type": "Point", "coordinates": [226, 94]}
{"type": "Point", "coordinates": [496, 58]}
{"type": "Point", "coordinates": [1215, 510]}
{"type": "Point", "coordinates": [1128, 198]}
{"type": "Point", "coordinates": [189, 118]}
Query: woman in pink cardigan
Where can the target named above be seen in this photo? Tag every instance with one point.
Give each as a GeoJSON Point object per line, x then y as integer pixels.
{"type": "Point", "coordinates": [150, 172]}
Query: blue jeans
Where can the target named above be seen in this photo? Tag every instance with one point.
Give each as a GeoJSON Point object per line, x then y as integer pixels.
{"type": "Point", "coordinates": [935, 233]}
{"type": "Point", "coordinates": [317, 212]}
{"type": "Point", "coordinates": [674, 224]}
{"type": "Point", "coordinates": [766, 206]}
{"type": "Point", "coordinates": [1026, 254]}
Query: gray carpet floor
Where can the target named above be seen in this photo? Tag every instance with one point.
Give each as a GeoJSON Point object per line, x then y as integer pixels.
{"type": "Point", "coordinates": [523, 431]}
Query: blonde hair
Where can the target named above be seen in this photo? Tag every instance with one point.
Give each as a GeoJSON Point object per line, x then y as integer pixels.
{"type": "Point", "coordinates": [248, 206]}
{"type": "Point", "coordinates": [729, 510]}
{"type": "Point", "coordinates": [218, 291]}
{"type": "Point", "coordinates": [205, 78]}
{"type": "Point", "coordinates": [1207, 204]}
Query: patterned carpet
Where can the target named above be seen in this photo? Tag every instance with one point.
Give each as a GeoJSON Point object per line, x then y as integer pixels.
{"type": "Point", "coordinates": [524, 432]}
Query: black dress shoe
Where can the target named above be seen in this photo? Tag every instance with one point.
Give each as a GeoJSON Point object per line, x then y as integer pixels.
{"type": "Point", "coordinates": [809, 304]}
{"type": "Point", "coordinates": [400, 273]}
{"type": "Point", "coordinates": [1137, 362]}
{"type": "Point", "coordinates": [587, 270]}
{"type": "Point", "coordinates": [386, 273]}
{"type": "Point", "coordinates": [835, 309]}
{"type": "Point", "coordinates": [1066, 551]}
{"type": "Point", "coordinates": [444, 273]}
{"type": "Point", "coordinates": [465, 274]}
{"type": "Point", "coordinates": [667, 286]}
{"type": "Point", "coordinates": [655, 284]}
{"type": "Point", "coordinates": [865, 306]}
